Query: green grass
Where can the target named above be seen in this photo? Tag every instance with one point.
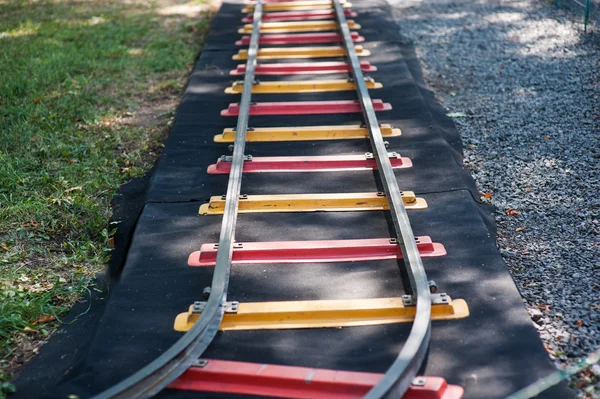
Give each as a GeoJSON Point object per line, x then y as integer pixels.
{"type": "Point", "coordinates": [75, 78]}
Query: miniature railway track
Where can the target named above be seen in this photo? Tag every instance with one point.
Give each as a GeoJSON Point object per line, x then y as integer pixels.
{"type": "Point", "coordinates": [298, 24]}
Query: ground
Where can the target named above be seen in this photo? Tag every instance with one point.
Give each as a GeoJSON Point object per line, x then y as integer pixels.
{"type": "Point", "coordinates": [520, 79]}
{"type": "Point", "coordinates": [87, 93]}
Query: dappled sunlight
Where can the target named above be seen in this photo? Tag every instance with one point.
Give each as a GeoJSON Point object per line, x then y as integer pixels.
{"type": "Point", "coordinates": [95, 21]}
{"type": "Point", "coordinates": [190, 10]}
{"type": "Point", "coordinates": [504, 17]}
{"type": "Point", "coordinates": [206, 88]}
{"type": "Point", "coordinates": [456, 15]}
{"type": "Point", "coordinates": [537, 42]}
{"type": "Point", "coordinates": [136, 51]}
{"type": "Point", "coordinates": [26, 29]}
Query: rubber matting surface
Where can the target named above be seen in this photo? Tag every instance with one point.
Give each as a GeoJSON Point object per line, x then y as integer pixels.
{"type": "Point", "coordinates": [492, 353]}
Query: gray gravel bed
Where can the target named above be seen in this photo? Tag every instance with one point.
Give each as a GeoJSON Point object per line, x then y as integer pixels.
{"type": "Point", "coordinates": [522, 84]}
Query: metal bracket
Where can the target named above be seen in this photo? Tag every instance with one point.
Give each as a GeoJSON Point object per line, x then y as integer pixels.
{"type": "Point", "coordinates": [419, 382]}
{"type": "Point", "coordinates": [391, 155]}
{"type": "Point", "coordinates": [200, 363]}
{"type": "Point", "coordinates": [235, 245]}
{"type": "Point", "coordinates": [436, 299]}
{"type": "Point", "coordinates": [230, 307]}
{"type": "Point", "coordinates": [242, 197]}
{"type": "Point", "coordinates": [229, 158]}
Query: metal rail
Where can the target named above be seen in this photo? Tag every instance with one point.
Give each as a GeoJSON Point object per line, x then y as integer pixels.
{"type": "Point", "coordinates": [399, 376]}
{"type": "Point", "coordinates": [158, 374]}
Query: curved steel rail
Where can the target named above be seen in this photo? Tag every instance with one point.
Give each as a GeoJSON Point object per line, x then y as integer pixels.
{"type": "Point", "coordinates": [158, 374]}
{"type": "Point", "coordinates": [177, 359]}
{"type": "Point", "coordinates": [399, 376]}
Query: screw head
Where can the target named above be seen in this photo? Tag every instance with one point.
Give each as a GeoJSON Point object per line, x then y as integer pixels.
{"type": "Point", "coordinates": [432, 287]}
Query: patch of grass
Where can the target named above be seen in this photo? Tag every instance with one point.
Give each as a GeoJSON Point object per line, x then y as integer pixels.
{"type": "Point", "coordinates": [78, 81]}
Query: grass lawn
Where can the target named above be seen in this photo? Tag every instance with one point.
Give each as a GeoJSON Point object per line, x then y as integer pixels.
{"type": "Point", "coordinates": [87, 91]}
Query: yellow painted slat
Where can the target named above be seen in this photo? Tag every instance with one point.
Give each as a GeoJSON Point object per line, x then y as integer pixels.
{"type": "Point", "coordinates": [301, 86]}
{"type": "Point", "coordinates": [296, 6]}
{"type": "Point", "coordinates": [324, 314]}
{"type": "Point", "coordinates": [300, 52]}
{"type": "Point", "coordinates": [312, 203]}
{"type": "Point", "coordinates": [305, 133]}
{"type": "Point", "coordinates": [300, 26]}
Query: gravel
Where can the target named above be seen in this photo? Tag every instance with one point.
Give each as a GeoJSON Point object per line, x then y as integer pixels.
{"type": "Point", "coordinates": [521, 81]}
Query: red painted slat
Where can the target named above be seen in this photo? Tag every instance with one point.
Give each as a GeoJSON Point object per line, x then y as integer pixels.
{"type": "Point", "coordinates": [303, 68]}
{"type": "Point", "coordinates": [307, 164]}
{"type": "Point", "coordinates": [314, 251]}
{"type": "Point", "coordinates": [301, 38]}
{"type": "Point", "coordinates": [305, 107]}
{"type": "Point", "coordinates": [298, 16]}
{"type": "Point", "coordinates": [290, 382]}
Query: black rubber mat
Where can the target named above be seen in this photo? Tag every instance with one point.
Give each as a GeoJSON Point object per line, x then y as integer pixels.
{"type": "Point", "coordinates": [492, 353]}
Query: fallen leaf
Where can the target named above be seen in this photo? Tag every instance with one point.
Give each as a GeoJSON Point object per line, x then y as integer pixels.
{"type": "Point", "coordinates": [546, 137]}
{"type": "Point", "coordinates": [579, 323]}
{"type": "Point", "coordinates": [456, 115]}
{"type": "Point", "coordinates": [35, 138]}
{"type": "Point", "coordinates": [520, 228]}
{"type": "Point", "coordinates": [512, 212]}
{"type": "Point", "coordinates": [547, 348]}
{"type": "Point", "coordinates": [30, 330]}
{"type": "Point", "coordinates": [486, 195]}
{"type": "Point", "coordinates": [44, 319]}
{"type": "Point", "coordinates": [4, 247]}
